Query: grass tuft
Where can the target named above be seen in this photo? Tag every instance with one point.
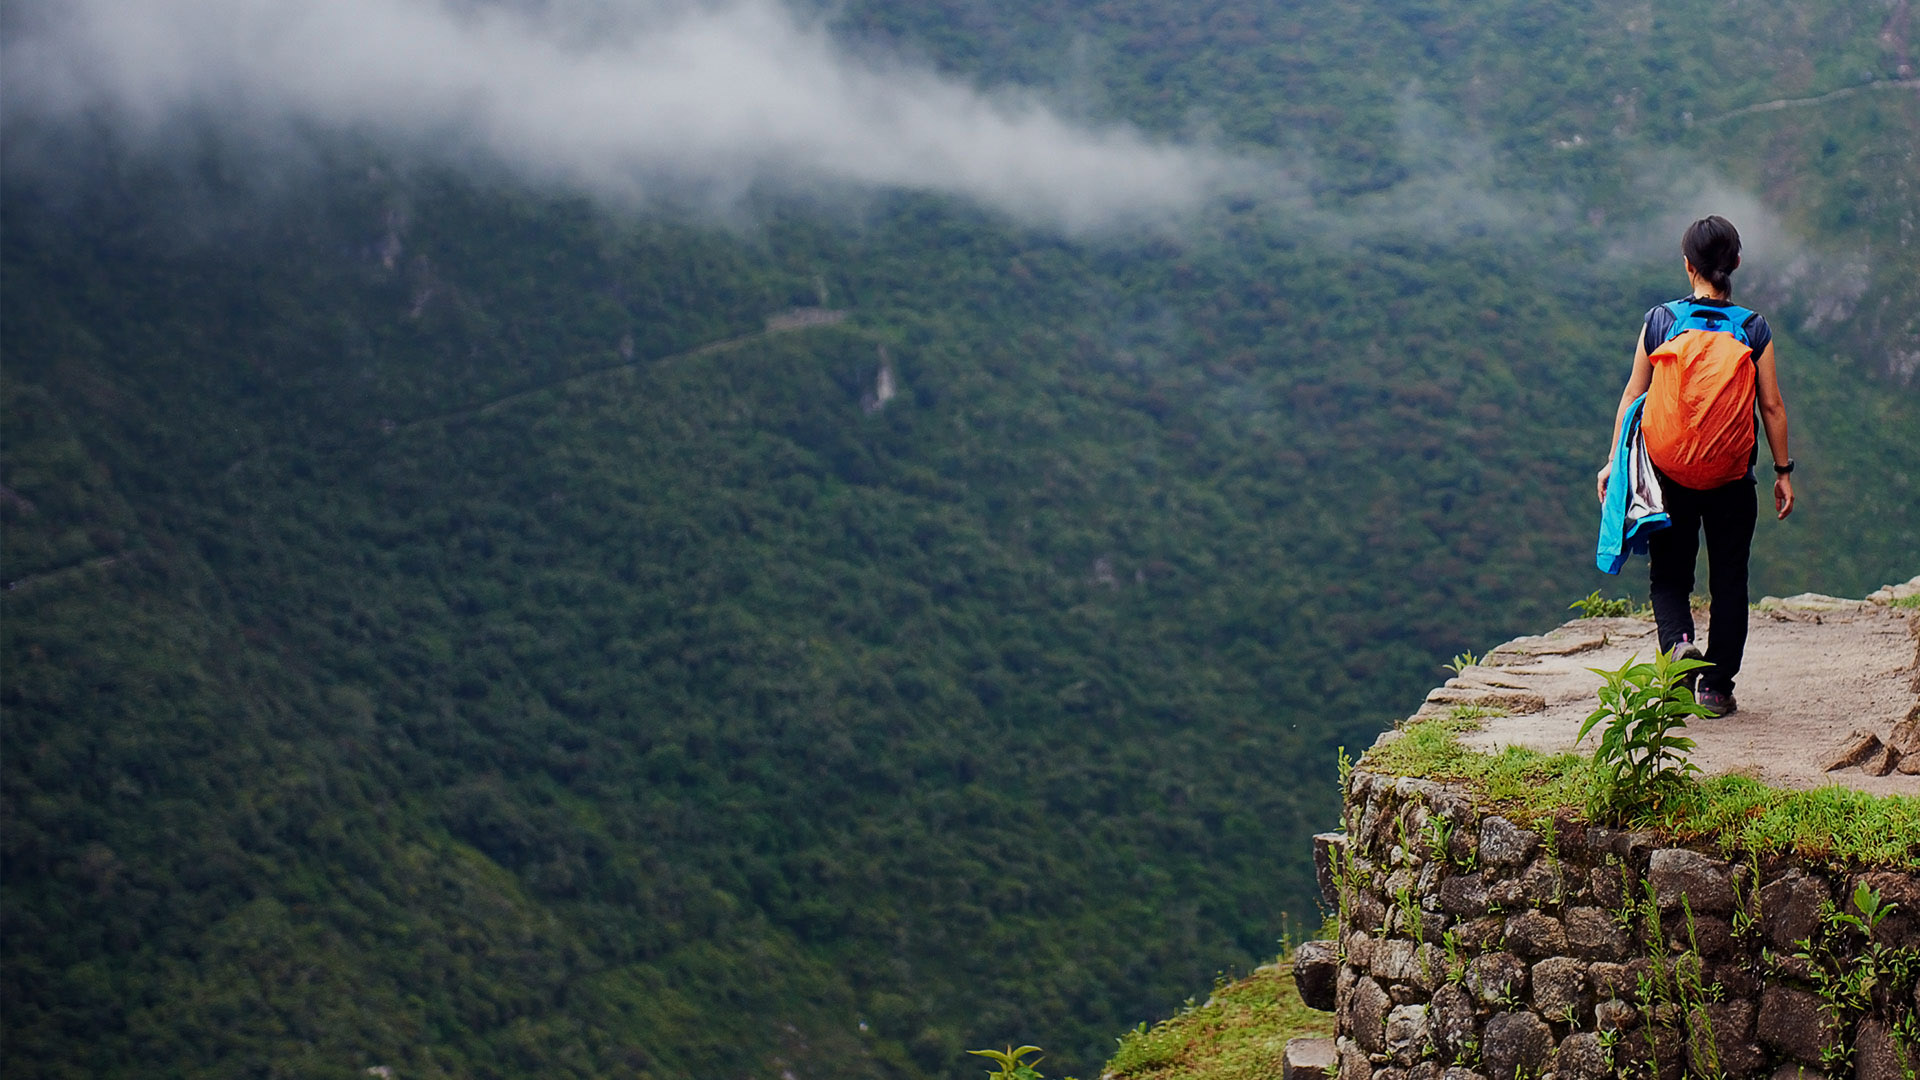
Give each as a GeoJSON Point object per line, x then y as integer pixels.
{"type": "Point", "coordinates": [1743, 816]}
{"type": "Point", "coordinates": [1240, 1033]}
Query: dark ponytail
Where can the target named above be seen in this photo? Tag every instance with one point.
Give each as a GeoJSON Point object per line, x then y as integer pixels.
{"type": "Point", "coordinates": [1712, 245]}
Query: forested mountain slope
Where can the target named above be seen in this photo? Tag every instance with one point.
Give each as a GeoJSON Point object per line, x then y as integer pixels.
{"type": "Point", "coordinates": [446, 629]}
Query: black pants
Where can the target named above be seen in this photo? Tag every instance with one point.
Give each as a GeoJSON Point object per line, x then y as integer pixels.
{"type": "Point", "coordinates": [1727, 514]}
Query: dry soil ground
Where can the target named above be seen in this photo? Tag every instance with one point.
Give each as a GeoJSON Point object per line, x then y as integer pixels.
{"type": "Point", "coordinates": [1816, 670]}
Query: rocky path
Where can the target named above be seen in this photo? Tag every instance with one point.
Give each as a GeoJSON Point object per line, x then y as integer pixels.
{"type": "Point", "coordinates": [1819, 673]}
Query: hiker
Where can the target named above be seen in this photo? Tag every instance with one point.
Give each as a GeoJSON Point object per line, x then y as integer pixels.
{"type": "Point", "coordinates": [1703, 363]}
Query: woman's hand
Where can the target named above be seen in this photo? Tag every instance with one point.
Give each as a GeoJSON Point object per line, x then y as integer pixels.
{"type": "Point", "coordinates": [1783, 496]}
{"type": "Point", "coordinates": [1608, 471]}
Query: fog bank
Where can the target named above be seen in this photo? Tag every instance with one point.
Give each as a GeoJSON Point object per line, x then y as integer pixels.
{"type": "Point", "coordinates": [623, 101]}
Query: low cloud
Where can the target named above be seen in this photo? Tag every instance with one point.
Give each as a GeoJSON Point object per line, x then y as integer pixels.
{"type": "Point", "coordinates": [649, 99]}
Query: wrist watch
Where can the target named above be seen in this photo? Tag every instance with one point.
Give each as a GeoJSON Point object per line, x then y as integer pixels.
{"type": "Point", "coordinates": [1783, 470]}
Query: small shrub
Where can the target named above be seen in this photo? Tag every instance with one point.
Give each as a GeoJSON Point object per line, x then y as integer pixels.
{"type": "Point", "coordinates": [1644, 705]}
{"type": "Point", "coordinates": [1595, 606]}
{"type": "Point", "coordinates": [1012, 1063]}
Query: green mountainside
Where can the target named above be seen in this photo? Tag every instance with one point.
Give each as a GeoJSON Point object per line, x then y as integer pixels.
{"type": "Point", "coordinates": [446, 628]}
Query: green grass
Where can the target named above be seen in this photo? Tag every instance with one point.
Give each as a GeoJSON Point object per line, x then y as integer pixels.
{"type": "Point", "coordinates": [1240, 1033]}
{"type": "Point", "coordinates": [1907, 603]}
{"type": "Point", "coordinates": [1743, 816]}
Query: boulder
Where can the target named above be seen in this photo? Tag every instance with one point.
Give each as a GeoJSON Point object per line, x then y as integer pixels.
{"type": "Point", "coordinates": [1406, 1033]}
{"type": "Point", "coordinates": [1793, 1023]}
{"type": "Point", "coordinates": [1502, 843]}
{"type": "Point", "coordinates": [1614, 1014]}
{"type": "Point", "coordinates": [1880, 762]}
{"type": "Point", "coordinates": [1854, 749]}
{"type": "Point", "coordinates": [1492, 977]}
{"type": "Point", "coordinates": [1582, 1057]}
{"type": "Point", "coordinates": [1536, 934]}
{"type": "Point", "coordinates": [1560, 990]}
{"type": "Point", "coordinates": [1705, 883]}
{"type": "Point", "coordinates": [1537, 886]}
{"type": "Point", "coordinates": [1309, 1059]}
{"type": "Point", "coordinates": [1316, 968]}
{"type": "Point", "coordinates": [1516, 1044]}
{"type": "Point", "coordinates": [1395, 960]}
{"type": "Point", "coordinates": [1790, 908]}
{"type": "Point", "coordinates": [1875, 1056]}
{"type": "Point", "coordinates": [1613, 980]}
{"type": "Point", "coordinates": [1464, 895]}
{"type": "Point", "coordinates": [1329, 849]}
{"type": "Point", "coordinates": [1366, 1019]}
{"type": "Point", "coordinates": [1592, 933]}
{"type": "Point", "coordinates": [1905, 740]}
{"type": "Point", "coordinates": [1451, 1019]}
{"type": "Point", "coordinates": [1354, 1062]}
{"type": "Point", "coordinates": [1721, 1042]}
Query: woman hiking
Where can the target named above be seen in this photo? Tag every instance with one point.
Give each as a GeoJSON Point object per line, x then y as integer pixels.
{"type": "Point", "coordinates": [1703, 363]}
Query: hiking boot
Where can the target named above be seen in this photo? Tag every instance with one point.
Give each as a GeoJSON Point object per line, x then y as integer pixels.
{"type": "Point", "coordinates": [1717, 702]}
{"type": "Point", "coordinates": [1684, 649]}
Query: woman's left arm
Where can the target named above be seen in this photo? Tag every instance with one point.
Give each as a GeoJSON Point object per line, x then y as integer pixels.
{"type": "Point", "coordinates": [1773, 417]}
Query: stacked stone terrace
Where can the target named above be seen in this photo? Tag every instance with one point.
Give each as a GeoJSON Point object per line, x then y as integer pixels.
{"type": "Point", "coordinates": [1471, 948]}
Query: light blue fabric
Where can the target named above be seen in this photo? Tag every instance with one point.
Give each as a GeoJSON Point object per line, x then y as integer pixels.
{"type": "Point", "coordinates": [1632, 509]}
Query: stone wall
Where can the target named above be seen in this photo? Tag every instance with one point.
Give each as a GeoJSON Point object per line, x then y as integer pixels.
{"type": "Point", "coordinates": [1471, 948]}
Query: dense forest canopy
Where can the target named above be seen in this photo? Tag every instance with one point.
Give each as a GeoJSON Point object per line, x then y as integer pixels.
{"type": "Point", "coordinates": [486, 623]}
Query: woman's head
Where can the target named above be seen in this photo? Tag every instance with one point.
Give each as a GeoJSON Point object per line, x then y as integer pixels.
{"type": "Point", "coordinates": [1712, 248]}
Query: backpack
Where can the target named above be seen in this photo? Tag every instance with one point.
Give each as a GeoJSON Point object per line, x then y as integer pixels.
{"type": "Point", "coordinates": [1699, 422]}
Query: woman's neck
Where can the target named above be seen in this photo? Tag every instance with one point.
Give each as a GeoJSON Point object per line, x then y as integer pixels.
{"type": "Point", "coordinates": [1704, 291]}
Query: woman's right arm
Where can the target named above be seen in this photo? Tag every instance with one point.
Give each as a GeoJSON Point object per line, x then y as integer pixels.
{"type": "Point", "coordinates": [1637, 384]}
{"type": "Point", "coordinates": [1773, 418]}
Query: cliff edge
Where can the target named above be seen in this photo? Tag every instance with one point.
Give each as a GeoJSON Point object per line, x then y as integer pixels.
{"type": "Point", "coordinates": [1489, 929]}
{"type": "Point", "coordinates": [1829, 692]}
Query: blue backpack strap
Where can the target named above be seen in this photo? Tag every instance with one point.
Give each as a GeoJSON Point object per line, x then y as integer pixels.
{"type": "Point", "coordinates": [1677, 310]}
{"type": "Point", "coordinates": [1731, 319]}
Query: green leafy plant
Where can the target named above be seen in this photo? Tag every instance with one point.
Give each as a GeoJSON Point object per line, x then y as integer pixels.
{"type": "Point", "coordinates": [1643, 705]}
{"type": "Point", "coordinates": [1746, 899]}
{"type": "Point", "coordinates": [1461, 662]}
{"type": "Point", "coordinates": [1011, 1062]}
{"type": "Point", "coordinates": [1410, 922]}
{"type": "Point", "coordinates": [1846, 978]}
{"type": "Point", "coordinates": [1873, 910]}
{"type": "Point", "coordinates": [1456, 964]}
{"type": "Point", "coordinates": [1595, 606]}
{"type": "Point", "coordinates": [1439, 837]}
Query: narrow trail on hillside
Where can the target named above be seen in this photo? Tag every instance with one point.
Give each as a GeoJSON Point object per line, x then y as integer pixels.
{"type": "Point", "coordinates": [783, 323]}
{"type": "Point", "coordinates": [786, 323]}
{"type": "Point", "coordinates": [71, 570]}
{"type": "Point", "coordinates": [1819, 99]}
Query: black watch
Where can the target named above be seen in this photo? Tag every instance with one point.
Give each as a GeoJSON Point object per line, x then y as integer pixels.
{"type": "Point", "coordinates": [1782, 470]}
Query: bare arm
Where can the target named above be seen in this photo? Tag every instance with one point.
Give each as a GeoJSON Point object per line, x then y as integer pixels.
{"type": "Point", "coordinates": [1637, 384]}
{"type": "Point", "coordinates": [1773, 418]}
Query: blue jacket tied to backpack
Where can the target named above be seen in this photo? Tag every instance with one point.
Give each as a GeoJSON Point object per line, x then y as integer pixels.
{"type": "Point", "coordinates": [1634, 506]}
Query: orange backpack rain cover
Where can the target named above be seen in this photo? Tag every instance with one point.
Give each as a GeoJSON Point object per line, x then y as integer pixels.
{"type": "Point", "coordinates": [1699, 415]}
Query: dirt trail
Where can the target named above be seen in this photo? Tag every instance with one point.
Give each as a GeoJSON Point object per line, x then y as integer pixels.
{"type": "Point", "coordinates": [1819, 99]}
{"type": "Point", "coordinates": [785, 322]}
{"type": "Point", "coordinates": [1816, 669]}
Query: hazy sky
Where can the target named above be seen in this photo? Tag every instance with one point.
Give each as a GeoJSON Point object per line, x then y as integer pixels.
{"type": "Point", "coordinates": [620, 99]}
